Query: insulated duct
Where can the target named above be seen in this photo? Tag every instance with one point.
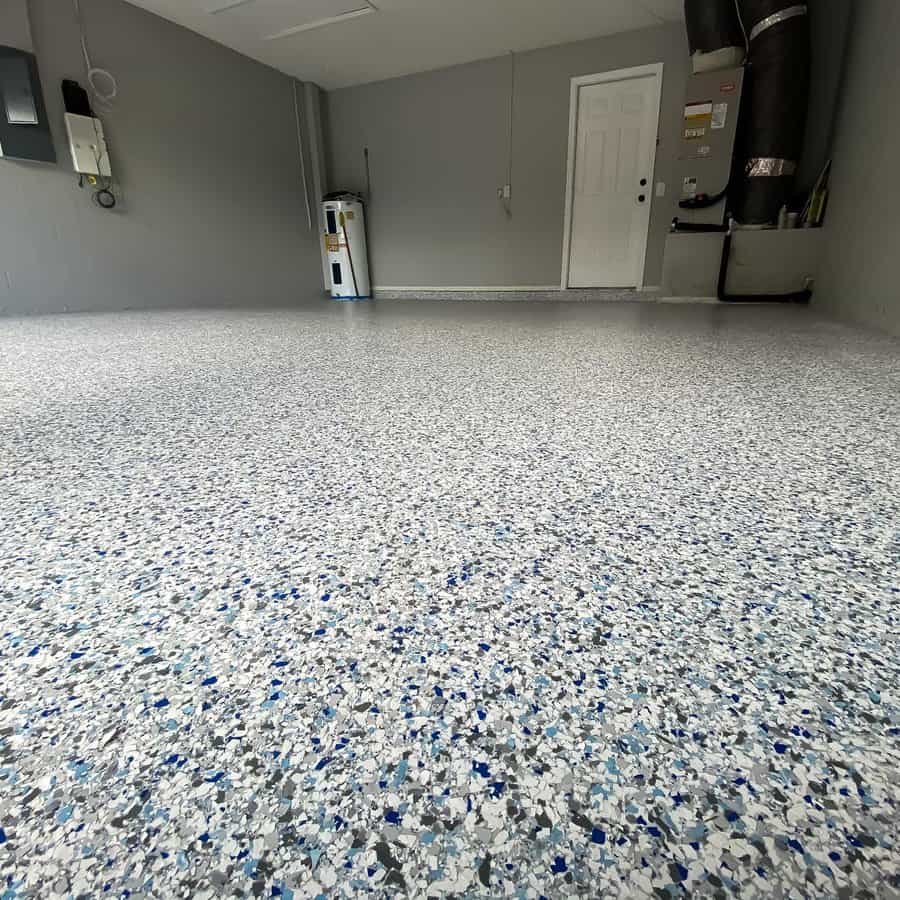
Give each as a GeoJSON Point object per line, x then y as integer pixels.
{"type": "Point", "coordinates": [776, 102]}
{"type": "Point", "coordinates": [715, 35]}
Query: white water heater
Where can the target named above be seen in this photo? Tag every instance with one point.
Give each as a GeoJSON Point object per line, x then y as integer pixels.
{"type": "Point", "coordinates": [345, 246]}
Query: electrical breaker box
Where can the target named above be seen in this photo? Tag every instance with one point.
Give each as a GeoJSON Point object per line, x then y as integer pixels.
{"type": "Point", "coordinates": [24, 126]}
{"type": "Point", "coordinates": [708, 135]}
{"type": "Point", "coordinates": [87, 145]}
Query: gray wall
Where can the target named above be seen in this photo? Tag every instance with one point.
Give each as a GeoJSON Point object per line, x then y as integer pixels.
{"type": "Point", "coordinates": [14, 27]}
{"type": "Point", "coordinates": [438, 144]}
{"type": "Point", "coordinates": [204, 143]}
{"type": "Point", "coordinates": [859, 281]}
{"type": "Point", "coordinates": [829, 23]}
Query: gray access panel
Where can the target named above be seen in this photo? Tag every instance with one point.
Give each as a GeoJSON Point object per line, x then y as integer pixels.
{"type": "Point", "coordinates": [708, 134]}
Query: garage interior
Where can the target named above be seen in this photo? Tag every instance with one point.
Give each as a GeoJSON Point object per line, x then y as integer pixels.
{"type": "Point", "coordinates": [449, 449]}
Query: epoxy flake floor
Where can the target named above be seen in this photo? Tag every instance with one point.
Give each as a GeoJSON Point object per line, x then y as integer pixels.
{"type": "Point", "coordinates": [431, 600]}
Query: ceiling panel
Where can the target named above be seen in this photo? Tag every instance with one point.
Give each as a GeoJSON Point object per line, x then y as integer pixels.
{"type": "Point", "coordinates": [260, 18]}
{"type": "Point", "coordinates": [404, 36]}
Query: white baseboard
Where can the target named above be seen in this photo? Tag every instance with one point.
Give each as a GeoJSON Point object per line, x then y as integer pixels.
{"type": "Point", "coordinates": [689, 300]}
{"type": "Point", "coordinates": [466, 289]}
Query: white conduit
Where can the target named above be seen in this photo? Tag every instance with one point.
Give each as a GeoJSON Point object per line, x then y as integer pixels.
{"type": "Point", "coordinates": [103, 97]}
{"type": "Point", "coordinates": [512, 107]}
{"type": "Point", "coordinates": [302, 153]}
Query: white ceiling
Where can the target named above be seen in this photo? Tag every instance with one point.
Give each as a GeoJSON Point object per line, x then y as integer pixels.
{"type": "Point", "coordinates": [403, 36]}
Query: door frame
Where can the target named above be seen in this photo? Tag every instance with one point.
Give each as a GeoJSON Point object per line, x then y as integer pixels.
{"type": "Point", "coordinates": [654, 69]}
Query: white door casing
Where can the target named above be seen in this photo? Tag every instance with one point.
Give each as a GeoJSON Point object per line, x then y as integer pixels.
{"type": "Point", "coordinates": [613, 130]}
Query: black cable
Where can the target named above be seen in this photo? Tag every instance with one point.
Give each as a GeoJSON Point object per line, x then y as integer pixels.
{"type": "Point", "coordinates": [105, 198]}
{"type": "Point", "coordinates": [703, 201]}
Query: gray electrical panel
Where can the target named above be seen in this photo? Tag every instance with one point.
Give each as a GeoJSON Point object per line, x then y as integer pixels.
{"type": "Point", "coordinates": [24, 127]}
{"type": "Point", "coordinates": [708, 135]}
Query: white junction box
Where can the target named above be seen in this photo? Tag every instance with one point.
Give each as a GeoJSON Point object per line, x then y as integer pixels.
{"type": "Point", "coordinates": [88, 145]}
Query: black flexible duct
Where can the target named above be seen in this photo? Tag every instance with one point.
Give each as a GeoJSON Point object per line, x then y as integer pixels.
{"type": "Point", "coordinates": [775, 105]}
{"type": "Point", "coordinates": [712, 25]}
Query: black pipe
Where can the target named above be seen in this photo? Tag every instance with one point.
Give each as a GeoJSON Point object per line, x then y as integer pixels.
{"type": "Point", "coordinates": [704, 201]}
{"type": "Point", "coordinates": [679, 227]}
{"type": "Point", "coordinates": [712, 25]}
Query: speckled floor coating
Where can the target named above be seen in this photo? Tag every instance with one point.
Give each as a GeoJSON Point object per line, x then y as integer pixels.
{"type": "Point", "coordinates": [449, 600]}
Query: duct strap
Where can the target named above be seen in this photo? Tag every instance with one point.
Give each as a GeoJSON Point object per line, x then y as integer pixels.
{"type": "Point", "coordinates": [769, 167]}
{"type": "Point", "coordinates": [791, 12]}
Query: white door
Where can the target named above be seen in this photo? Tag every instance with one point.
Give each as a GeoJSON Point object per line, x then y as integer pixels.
{"type": "Point", "coordinates": [611, 158]}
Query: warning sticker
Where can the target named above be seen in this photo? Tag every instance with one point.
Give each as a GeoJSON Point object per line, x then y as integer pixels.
{"type": "Point", "coordinates": [697, 119]}
{"type": "Point", "coordinates": [689, 188]}
{"type": "Point", "coordinates": [719, 116]}
{"type": "Point", "coordinates": [332, 243]}
{"type": "Point", "coordinates": [698, 110]}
